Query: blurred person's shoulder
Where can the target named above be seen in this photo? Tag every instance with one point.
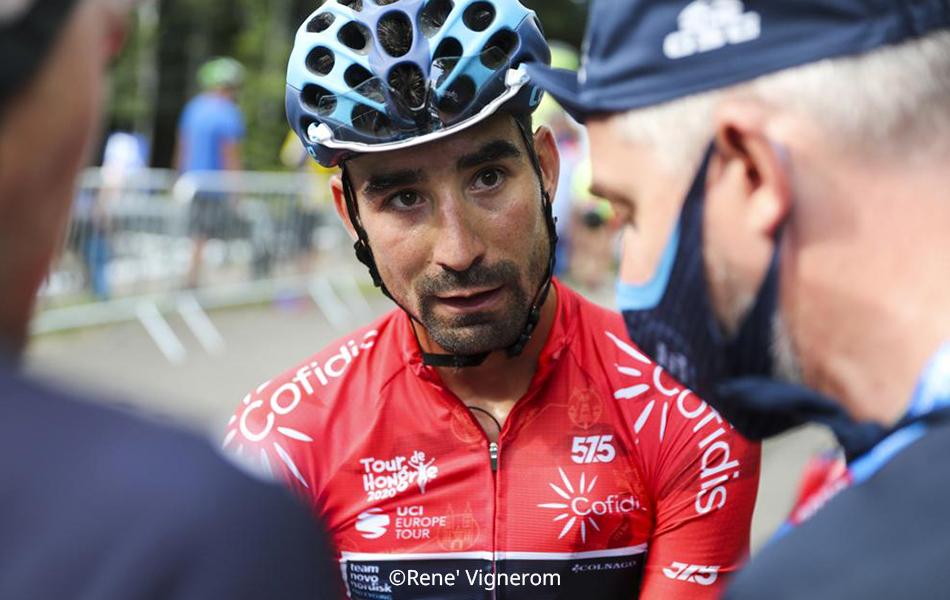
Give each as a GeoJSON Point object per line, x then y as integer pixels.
{"type": "Point", "coordinates": [884, 538]}
{"type": "Point", "coordinates": [95, 502]}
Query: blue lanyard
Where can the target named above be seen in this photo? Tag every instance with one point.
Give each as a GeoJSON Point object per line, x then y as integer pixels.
{"type": "Point", "coordinates": [932, 395]}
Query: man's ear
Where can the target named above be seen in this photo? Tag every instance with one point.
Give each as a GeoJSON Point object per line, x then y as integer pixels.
{"type": "Point", "coordinates": [749, 167]}
{"type": "Point", "coordinates": [549, 158]}
{"type": "Point", "coordinates": [339, 202]}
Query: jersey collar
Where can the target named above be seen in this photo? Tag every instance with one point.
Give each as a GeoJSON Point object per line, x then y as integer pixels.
{"type": "Point", "coordinates": [562, 331]}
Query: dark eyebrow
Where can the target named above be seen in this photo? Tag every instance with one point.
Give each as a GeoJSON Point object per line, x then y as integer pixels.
{"type": "Point", "coordinates": [383, 182]}
{"type": "Point", "coordinates": [490, 152]}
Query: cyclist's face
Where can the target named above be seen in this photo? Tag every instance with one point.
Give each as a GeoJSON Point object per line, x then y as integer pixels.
{"type": "Point", "coordinates": [458, 232]}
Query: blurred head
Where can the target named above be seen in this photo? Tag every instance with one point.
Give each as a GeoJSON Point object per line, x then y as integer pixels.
{"type": "Point", "coordinates": [848, 158]}
{"type": "Point", "coordinates": [819, 114]}
{"type": "Point", "coordinates": [807, 151]}
{"type": "Point", "coordinates": [458, 230]}
{"type": "Point", "coordinates": [221, 74]}
{"type": "Point", "coordinates": [47, 124]}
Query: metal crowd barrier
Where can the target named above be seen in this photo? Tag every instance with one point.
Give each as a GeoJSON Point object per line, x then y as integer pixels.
{"type": "Point", "coordinates": [129, 253]}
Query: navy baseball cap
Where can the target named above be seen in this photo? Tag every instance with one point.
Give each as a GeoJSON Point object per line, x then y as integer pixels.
{"type": "Point", "coordinates": [645, 52]}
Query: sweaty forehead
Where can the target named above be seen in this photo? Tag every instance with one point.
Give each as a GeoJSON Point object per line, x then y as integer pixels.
{"type": "Point", "coordinates": [440, 155]}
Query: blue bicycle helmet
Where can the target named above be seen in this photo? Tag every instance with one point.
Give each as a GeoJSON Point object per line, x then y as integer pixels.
{"type": "Point", "coordinates": [462, 60]}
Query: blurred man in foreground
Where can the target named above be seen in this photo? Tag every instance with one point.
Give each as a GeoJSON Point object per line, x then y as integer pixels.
{"type": "Point", "coordinates": [94, 503]}
{"type": "Point", "coordinates": [830, 123]}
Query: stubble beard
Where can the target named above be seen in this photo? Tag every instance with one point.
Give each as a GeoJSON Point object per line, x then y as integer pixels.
{"type": "Point", "coordinates": [487, 331]}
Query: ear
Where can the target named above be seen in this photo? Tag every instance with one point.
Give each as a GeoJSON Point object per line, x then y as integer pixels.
{"type": "Point", "coordinates": [549, 159]}
{"type": "Point", "coordinates": [339, 202]}
{"type": "Point", "coordinates": [750, 167]}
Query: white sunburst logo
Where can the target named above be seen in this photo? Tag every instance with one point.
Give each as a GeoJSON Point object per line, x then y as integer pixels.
{"type": "Point", "coordinates": [578, 509]}
{"type": "Point", "coordinates": [649, 376]}
{"type": "Point", "coordinates": [283, 401]}
{"type": "Point", "coordinates": [716, 465]}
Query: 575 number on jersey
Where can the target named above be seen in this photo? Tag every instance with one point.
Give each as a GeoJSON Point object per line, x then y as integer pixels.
{"type": "Point", "coordinates": [593, 449]}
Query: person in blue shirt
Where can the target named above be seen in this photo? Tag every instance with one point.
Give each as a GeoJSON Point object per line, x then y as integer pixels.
{"type": "Point", "coordinates": [810, 140]}
{"type": "Point", "coordinates": [209, 138]}
{"type": "Point", "coordinates": [95, 503]}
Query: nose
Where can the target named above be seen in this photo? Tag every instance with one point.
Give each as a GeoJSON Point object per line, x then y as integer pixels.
{"type": "Point", "coordinates": [459, 245]}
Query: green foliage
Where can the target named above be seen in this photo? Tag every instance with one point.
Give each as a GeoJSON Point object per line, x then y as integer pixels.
{"type": "Point", "coordinates": [169, 40]}
{"type": "Point", "coordinates": [562, 19]}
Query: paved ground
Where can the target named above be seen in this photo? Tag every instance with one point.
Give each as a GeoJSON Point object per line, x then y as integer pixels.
{"type": "Point", "coordinates": [122, 361]}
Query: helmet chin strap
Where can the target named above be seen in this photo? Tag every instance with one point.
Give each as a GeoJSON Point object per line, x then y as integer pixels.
{"type": "Point", "coordinates": [364, 254]}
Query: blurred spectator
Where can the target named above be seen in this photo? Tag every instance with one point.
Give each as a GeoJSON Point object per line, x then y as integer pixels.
{"type": "Point", "coordinates": [124, 154]}
{"type": "Point", "coordinates": [593, 233]}
{"type": "Point", "coordinates": [312, 203]}
{"type": "Point", "coordinates": [93, 502]}
{"type": "Point", "coordinates": [209, 137]}
{"type": "Point", "coordinates": [573, 152]}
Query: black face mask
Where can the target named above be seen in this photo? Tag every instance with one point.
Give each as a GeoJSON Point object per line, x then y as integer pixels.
{"type": "Point", "coordinates": [671, 318]}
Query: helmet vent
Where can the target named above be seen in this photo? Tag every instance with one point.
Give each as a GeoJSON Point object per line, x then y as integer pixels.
{"type": "Point", "coordinates": [499, 49]}
{"type": "Point", "coordinates": [319, 100]}
{"type": "Point", "coordinates": [434, 16]}
{"type": "Point", "coordinates": [446, 57]}
{"type": "Point", "coordinates": [356, 5]}
{"type": "Point", "coordinates": [479, 16]}
{"type": "Point", "coordinates": [459, 95]}
{"type": "Point", "coordinates": [356, 75]}
{"type": "Point", "coordinates": [321, 60]}
{"type": "Point", "coordinates": [320, 22]}
{"type": "Point", "coordinates": [355, 36]}
{"type": "Point", "coordinates": [395, 33]}
{"type": "Point", "coordinates": [369, 121]}
{"type": "Point", "coordinates": [408, 85]}
{"type": "Point", "coordinates": [385, 2]}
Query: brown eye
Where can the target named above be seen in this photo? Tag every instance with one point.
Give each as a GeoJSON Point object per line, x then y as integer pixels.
{"type": "Point", "coordinates": [488, 178]}
{"type": "Point", "coordinates": [405, 201]}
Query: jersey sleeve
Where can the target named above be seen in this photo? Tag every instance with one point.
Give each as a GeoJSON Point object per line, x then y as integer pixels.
{"type": "Point", "coordinates": [272, 434]}
{"type": "Point", "coordinates": [704, 480]}
{"type": "Point", "coordinates": [291, 427]}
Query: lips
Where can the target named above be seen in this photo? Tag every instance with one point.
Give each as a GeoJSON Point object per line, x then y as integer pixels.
{"type": "Point", "coordinates": [471, 301]}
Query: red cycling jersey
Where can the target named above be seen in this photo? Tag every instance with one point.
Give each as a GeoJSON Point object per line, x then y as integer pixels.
{"type": "Point", "coordinates": [612, 480]}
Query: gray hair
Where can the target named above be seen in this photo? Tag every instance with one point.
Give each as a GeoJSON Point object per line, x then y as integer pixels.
{"type": "Point", "coordinates": [895, 99]}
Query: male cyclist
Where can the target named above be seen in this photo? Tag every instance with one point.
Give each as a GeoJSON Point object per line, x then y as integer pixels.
{"type": "Point", "coordinates": [496, 428]}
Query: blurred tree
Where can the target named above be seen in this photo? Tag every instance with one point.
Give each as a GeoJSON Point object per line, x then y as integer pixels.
{"type": "Point", "coordinates": [155, 76]}
{"type": "Point", "coordinates": [563, 20]}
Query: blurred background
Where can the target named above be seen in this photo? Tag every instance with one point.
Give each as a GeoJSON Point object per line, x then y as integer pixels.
{"type": "Point", "coordinates": [184, 283]}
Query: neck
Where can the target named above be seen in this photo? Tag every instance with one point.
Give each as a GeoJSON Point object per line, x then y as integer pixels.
{"type": "Point", "coordinates": [500, 379]}
{"type": "Point", "coordinates": [881, 309]}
